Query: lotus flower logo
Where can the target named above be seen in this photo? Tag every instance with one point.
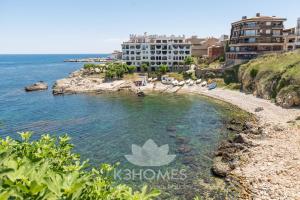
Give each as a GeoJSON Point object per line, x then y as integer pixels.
{"type": "Point", "coordinates": [150, 155]}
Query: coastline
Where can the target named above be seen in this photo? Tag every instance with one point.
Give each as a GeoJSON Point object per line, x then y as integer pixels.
{"type": "Point", "coordinates": [268, 160]}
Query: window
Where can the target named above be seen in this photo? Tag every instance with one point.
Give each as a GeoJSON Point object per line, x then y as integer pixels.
{"type": "Point", "coordinates": [251, 24]}
{"type": "Point", "coordinates": [268, 23]}
{"type": "Point", "coordinates": [268, 31]}
{"type": "Point", "coordinates": [276, 32]}
{"type": "Point", "coordinates": [250, 32]}
{"type": "Point", "coordinates": [252, 40]}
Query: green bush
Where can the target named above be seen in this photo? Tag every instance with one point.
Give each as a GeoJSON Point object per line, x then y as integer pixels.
{"type": "Point", "coordinates": [188, 60]}
{"type": "Point", "coordinates": [89, 66]}
{"type": "Point", "coordinates": [222, 58]}
{"type": "Point", "coordinates": [131, 69]}
{"type": "Point", "coordinates": [163, 69]}
{"type": "Point", "coordinates": [253, 72]}
{"type": "Point", "coordinates": [145, 67]}
{"type": "Point", "coordinates": [48, 169]}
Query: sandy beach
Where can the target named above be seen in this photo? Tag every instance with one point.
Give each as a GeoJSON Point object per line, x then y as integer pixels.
{"type": "Point", "coordinates": [270, 168]}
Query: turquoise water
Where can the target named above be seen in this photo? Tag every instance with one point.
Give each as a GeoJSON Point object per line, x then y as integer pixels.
{"type": "Point", "coordinates": [103, 127]}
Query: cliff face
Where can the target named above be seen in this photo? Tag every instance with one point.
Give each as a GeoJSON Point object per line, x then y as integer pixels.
{"type": "Point", "coordinates": [274, 76]}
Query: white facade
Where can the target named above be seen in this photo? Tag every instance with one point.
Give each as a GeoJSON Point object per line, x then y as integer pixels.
{"type": "Point", "coordinates": [156, 50]}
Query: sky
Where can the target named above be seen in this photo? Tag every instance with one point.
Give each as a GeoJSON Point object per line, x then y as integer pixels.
{"type": "Point", "coordinates": [100, 26]}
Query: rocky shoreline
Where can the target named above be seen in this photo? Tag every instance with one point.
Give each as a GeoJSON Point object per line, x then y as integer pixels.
{"type": "Point", "coordinates": [243, 160]}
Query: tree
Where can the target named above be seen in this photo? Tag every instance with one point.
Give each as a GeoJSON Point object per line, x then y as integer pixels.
{"type": "Point", "coordinates": [120, 71]}
{"type": "Point", "coordinates": [131, 69]}
{"type": "Point", "coordinates": [145, 67]}
{"type": "Point", "coordinates": [110, 74]}
{"type": "Point", "coordinates": [188, 60]}
{"type": "Point", "coordinates": [163, 69]}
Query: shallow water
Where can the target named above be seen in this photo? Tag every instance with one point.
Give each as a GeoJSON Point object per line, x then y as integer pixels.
{"type": "Point", "coordinates": [104, 127]}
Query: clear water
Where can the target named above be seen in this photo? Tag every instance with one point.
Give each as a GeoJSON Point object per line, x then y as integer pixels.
{"type": "Point", "coordinates": [103, 127]}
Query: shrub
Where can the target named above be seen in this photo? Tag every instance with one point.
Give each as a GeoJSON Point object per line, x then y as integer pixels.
{"type": "Point", "coordinates": [163, 69]}
{"type": "Point", "coordinates": [188, 60]}
{"type": "Point", "coordinates": [89, 66]}
{"type": "Point", "coordinates": [145, 67]}
{"type": "Point", "coordinates": [188, 75]}
{"type": "Point", "coordinates": [131, 68]}
{"type": "Point", "coordinates": [47, 169]}
{"type": "Point", "coordinates": [253, 72]}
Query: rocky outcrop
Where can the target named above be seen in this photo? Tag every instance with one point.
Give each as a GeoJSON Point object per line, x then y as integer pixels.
{"type": "Point", "coordinates": [220, 168]}
{"type": "Point", "coordinates": [274, 76]}
{"type": "Point", "coordinates": [37, 86]}
{"type": "Point", "coordinates": [227, 156]}
{"type": "Point", "coordinates": [289, 96]}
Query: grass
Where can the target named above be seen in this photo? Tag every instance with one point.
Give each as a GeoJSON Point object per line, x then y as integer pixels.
{"type": "Point", "coordinates": [288, 63]}
{"type": "Point", "coordinates": [131, 76]}
{"type": "Point", "coordinates": [177, 76]}
{"type": "Point", "coordinates": [269, 74]}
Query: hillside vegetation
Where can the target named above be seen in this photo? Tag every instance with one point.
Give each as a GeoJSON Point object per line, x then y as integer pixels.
{"type": "Point", "coordinates": [47, 169]}
{"type": "Point", "coordinates": [273, 76]}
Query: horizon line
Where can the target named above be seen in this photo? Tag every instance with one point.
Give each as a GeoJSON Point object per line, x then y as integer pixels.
{"type": "Point", "coordinates": [50, 53]}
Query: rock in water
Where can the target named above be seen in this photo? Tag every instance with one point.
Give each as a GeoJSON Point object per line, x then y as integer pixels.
{"type": "Point", "coordinates": [37, 86]}
{"type": "Point", "coordinates": [140, 93]}
{"type": "Point", "coordinates": [220, 168]}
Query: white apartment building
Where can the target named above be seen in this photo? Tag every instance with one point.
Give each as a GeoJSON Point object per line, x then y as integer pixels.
{"type": "Point", "coordinates": [156, 50]}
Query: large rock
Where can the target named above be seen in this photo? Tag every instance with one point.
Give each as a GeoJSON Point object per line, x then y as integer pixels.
{"type": "Point", "coordinates": [37, 86]}
{"type": "Point", "coordinates": [289, 96]}
{"type": "Point", "coordinates": [220, 168]}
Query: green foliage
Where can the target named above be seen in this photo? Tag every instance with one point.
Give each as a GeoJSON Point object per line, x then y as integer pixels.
{"type": "Point", "coordinates": [89, 66]}
{"type": "Point", "coordinates": [163, 69]}
{"type": "Point", "coordinates": [115, 70]}
{"type": "Point", "coordinates": [233, 86]}
{"type": "Point", "coordinates": [188, 60]}
{"type": "Point", "coordinates": [131, 69]}
{"type": "Point", "coordinates": [253, 72]}
{"type": "Point", "coordinates": [145, 67]}
{"type": "Point", "coordinates": [47, 169]}
{"type": "Point", "coordinates": [222, 58]}
{"type": "Point", "coordinates": [231, 75]}
{"type": "Point", "coordinates": [177, 76]}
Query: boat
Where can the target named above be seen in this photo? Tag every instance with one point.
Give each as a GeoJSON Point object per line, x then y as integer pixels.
{"type": "Point", "coordinates": [181, 83]}
{"type": "Point", "coordinates": [188, 81]}
{"type": "Point", "coordinates": [154, 79]}
{"type": "Point", "coordinates": [212, 86]}
{"type": "Point", "coordinates": [198, 81]}
{"type": "Point", "coordinates": [204, 84]}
